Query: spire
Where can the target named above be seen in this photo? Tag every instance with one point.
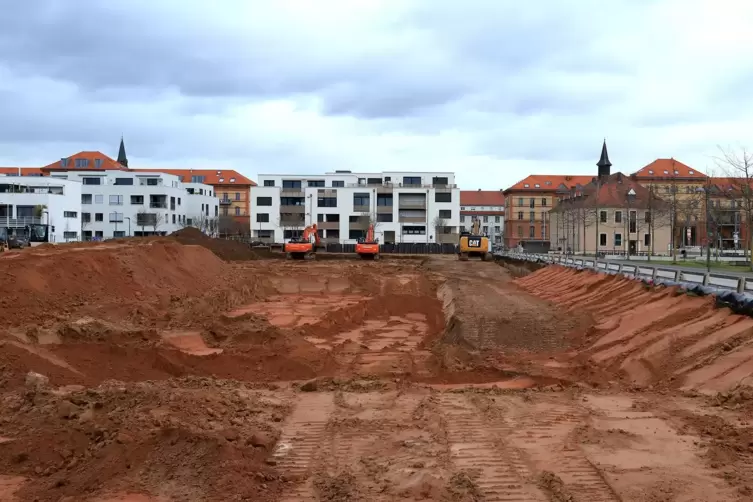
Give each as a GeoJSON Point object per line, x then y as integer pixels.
{"type": "Point", "coordinates": [122, 159]}
{"type": "Point", "coordinates": [604, 163]}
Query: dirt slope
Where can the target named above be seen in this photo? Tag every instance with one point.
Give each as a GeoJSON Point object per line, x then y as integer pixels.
{"type": "Point", "coordinates": [652, 335]}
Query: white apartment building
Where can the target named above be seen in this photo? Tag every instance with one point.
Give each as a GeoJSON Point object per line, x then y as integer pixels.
{"type": "Point", "coordinates": [27, 201]}
{"type": "Point", "coordinates": [116, 203]}
{"type": "Point", "coordinates": [410, 207]}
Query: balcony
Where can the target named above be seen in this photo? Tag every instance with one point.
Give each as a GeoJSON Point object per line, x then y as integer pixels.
{"type": "Point", "coordinates": [292, 222]}
{"type": "Point", "coordinates": [328, 225]}
{"type": "Point", "coordinates": [225, 202]}
{"type": "Point", "coordinates": [412, 219]}
{"type": "Point", "coordinates": [385, 209]}
{"type": "Point", "coordinates": [292, 192]}
{"type": "Point", "coordinates": [293, 209]}
{"type": "Point", "coordinates": [361, 208]}
{"type": "Point", "coordinates": [412, 204]}
{"type": "Point", "coordinates": [158, 205]}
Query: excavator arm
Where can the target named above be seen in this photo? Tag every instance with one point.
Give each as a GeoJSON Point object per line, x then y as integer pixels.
{"type": "Point", "coordinates": [476, 229]}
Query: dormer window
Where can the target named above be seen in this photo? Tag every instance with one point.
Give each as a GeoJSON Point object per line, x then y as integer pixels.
{"type": "Point", "coordinates": [232, 180]}
{"type": "Point", "coordinates": [650, 171]}
{"type": "Point", "coordinates": [677, 172]}
{"type": "Point", "coordinates": [666, 172]}
{"type": "Point", "coordinates": [691, 173]}
{"type": "Point", "coordinates": [222, 180]}
{"type": "Point", "coordinates": [547, 182]}
{"type": "Point", "coordinates": [526, 185]}
{"type": "Point", "coordinates": [537, 185]}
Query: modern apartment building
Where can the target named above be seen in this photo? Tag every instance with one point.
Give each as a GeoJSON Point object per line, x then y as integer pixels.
{"type": "Point", "coordinates": [231, 188]}
{"type": "Point", "coordinates": [404, 207]}
{"type": "Point", "coordinates": [26, 201]}
{"type": "Point", "coordinates": [487, 206]}
{"type": "Point", "coordinates": [122, 203]}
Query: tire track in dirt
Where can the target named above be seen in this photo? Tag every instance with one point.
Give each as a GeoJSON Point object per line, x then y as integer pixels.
{"type": "Point", "coordinates": [301, 442]}
{"type": "Point", "coordinates": [502, 473]}
{"type": "Point", "coordinates": [545, 436]}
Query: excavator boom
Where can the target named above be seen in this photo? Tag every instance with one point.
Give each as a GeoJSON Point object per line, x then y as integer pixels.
{"type": "Point", "coordinates": [368, 248]}
{"type": "Point", "coordinates": [303, 247]}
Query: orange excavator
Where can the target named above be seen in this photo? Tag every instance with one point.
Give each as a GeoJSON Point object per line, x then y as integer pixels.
{"type": "Point", "coordinates": [368, 248]}
{"type": "Point", "coordinates": [303, 247]}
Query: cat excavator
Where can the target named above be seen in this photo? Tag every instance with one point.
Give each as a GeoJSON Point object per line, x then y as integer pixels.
{"type": "Point", "coordinates": [474, 245]}
{"type": "Point", "coordinates": [303, 247]}
{"type": "Point", "coordinates": [368, 248]}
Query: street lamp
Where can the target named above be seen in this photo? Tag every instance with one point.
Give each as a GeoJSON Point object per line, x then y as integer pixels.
{"type": "Point", "coordinates": [706, 196]}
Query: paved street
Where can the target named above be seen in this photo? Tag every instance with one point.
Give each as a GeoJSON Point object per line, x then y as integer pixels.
{"type": "Point", "coordinates": [691, 270]}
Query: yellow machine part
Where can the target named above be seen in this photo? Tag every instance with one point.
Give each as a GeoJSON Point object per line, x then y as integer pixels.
{"type": "Point", "coordinates": [474, 246]}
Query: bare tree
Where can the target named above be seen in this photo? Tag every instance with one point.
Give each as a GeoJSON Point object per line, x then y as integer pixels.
{"type": "Point", "coordinates": [143, 219]}
{"type": "Point", "coordinates": [156, 221]}
{"type": "Point", "coordinates": [738, 166]}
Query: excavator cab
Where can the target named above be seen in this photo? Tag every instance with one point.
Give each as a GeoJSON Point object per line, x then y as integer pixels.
{"type": "Point", "coordinates": [474, 245]}
{"type": "Point", "coordinates": [303, 247]}
{"type": "Point", "coordinates": [368, 248]}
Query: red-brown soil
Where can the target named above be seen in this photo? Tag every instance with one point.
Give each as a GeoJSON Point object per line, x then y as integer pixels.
{"type": "Point", "coordinates": [650, 335]}
{"type": "Point", "coordinates": [226, 249]}
{"type": "Point", "coordinates": [164, 374]}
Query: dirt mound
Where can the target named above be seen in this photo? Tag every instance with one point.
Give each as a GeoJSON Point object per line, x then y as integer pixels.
{"type": "Point", "coordinates": [228, 250]}
{"type": "Point", "coordinates": [143, 438]}
{"type": "Point", "coordinates": [122, 281]}
{"type": "Point", "coordinates": [650, 335]}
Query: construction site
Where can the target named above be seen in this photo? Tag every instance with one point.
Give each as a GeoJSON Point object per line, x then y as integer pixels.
{"type": "Point", "coordinates": [185, 368]}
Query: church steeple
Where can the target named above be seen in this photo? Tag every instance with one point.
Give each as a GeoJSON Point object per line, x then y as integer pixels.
{"type": "Point", "coordinates": [122, 159]}
{"type": "Point", "coordinates": [604, 164]}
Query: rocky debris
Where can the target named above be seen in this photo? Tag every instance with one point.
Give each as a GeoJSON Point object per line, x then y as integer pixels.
{"type": "Point", "coordinates": [36, 381]}
{"type": "Point", "coordinates": [555, 487]}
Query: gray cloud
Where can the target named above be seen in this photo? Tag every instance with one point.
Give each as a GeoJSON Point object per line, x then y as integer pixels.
{"type": "Point", "coordinates": [284, 86]}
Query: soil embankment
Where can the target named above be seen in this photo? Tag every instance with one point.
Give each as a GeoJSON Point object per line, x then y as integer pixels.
{"type": "Point", "coordinates": [651, 335]}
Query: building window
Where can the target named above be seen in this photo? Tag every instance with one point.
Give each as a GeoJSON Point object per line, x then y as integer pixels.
{"type": "Point", "coordinates": [99, 216]}
{"type": "Point", "coordinates": [618, 240]}
{"type": "Point", "coordinates": [70, 235]}
{"type": "Point", "coordinates": [262, 217]}
{"type": "Point", "coordinates": [124, 181]}
{"type": "Point", "coordinates": [543, 202]}
{"type": "Point", "coordinates": [360, 199]}
{"type": "Point", "coordinates": [315, 183]}
{"type": "Point", "coordinates": [414, 230]}
{"type": "Point", "coordinates": [412, 180]}
{"type": "Point", "coordinates": [173, 219]}
{"type": "Point", "coordinates": [119, 233]}
{"type": "Point", "coordinates": [137, 200]}
{"type": "Point", "coordinates": [520, 231]}
{"type": "Point", "coordinates": [443, 197]}
{"type": "Point", "coordinates": [496, 219]}
{"type": "Point", "coordinates": [647, 217]}
{"type": "Point", "coordinates": [291, 183]}
{"type": "Point", "coordinates": [116, 200]}
{"type": "Point", "coordinates": [91, 181]}
{"type": "Point", "coordinates": [602, 239]}
{"type": "Point", "coordinates": [633, 222]}
{"type": "Point", "coordinates": [326, 202]}
{"type": "Point", "coordinates": [116, 217]}
{"type": "Point", "coordinates": [603, 217]}
{"type": "Point", "coordinates": [264, 201]}
{"type": "Point", "coordinates": [86, 198]}
{"type": "Point", "coordinates": [618, 216]}
{"type": "Point", "coordinates": [646, 239]}
{"type": "Point", "coordinates": [70, 214]}
{"type": "Point", "coordinates": [237, 196]}
{"type": "Point", "coordinates": [269, 183]}
{"type": "Point", "coordinates": [338, 184]}
{"type": "Point", "coordinates": [445, 213]}
{"type": "Point", "coordinates": [81, 163]}
{"type": "Point", "coordinates": [532, 232]}
{"type": "Point", "coordinates": [384, 217]}
{"type": "Point", "coordinates": [520, 201]}
{"type": "Point", "coordinates": [86, 217]}
{"type": "Point", "coordinates": [197, 179]}
{"type": "Point", "coordinates": [237, 211]}
{"type": "Point", "coordinates": [99, 199]}
{"type": "Point", "coordinates": [384, 200]}
{"type": "Point", "coordinates": [520, 215]}
{"type": "Point", "coordinates": [532, 216]}
{"type": "Point", "coordinates": [532, 202]}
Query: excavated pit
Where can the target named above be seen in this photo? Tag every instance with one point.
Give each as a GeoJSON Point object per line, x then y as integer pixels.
{"type": "Point", "coordinates": [167, 374]}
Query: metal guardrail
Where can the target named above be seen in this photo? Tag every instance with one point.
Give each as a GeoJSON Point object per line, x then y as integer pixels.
{"type": "Point", "coordinates": [642, 271]}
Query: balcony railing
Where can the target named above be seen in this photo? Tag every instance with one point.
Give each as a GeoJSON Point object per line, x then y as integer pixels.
{"type": "Point", "coordinates": [412, 219]}
{"type": "Point", "coordinates": [399, 185]}
{"type": "Point", "coordinates": [225, 202]}
{"type": "Point", "coordinates": [6, 221]}
{"type": "Point", "coordinates": [158, 205]}
{"type": "Point", "coordinates": [293, 209]}
{"type": "Point", "coordinates": [417, 204]}
{"type": "Point", "coordinates": [361, 208]}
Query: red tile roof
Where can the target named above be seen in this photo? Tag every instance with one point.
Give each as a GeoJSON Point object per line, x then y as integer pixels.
{"type": "Point", "coordinates": [485, 213]}
{"type": "Point", "coordinates": [25, 171]}
{"type": "Point", "coordinates": [211, 176]}
{"type": "Point", "coordinates": [549, 182]}
{"type": "Point", "coordinates": [482, 198]}
{"type": "Point", "coordinates": [669, 168]}
{"type": "Point", "coordinates": [106, 163]}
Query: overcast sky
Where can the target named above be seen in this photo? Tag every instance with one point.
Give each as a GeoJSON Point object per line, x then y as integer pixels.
{"type": "Point", "coordinates": [491, 89]}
